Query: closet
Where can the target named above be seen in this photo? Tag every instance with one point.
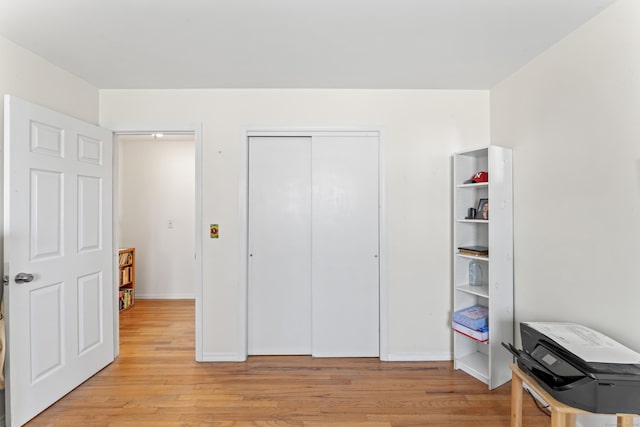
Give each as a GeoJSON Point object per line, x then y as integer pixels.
{"type": "Point", "coordinates": [313, 239]}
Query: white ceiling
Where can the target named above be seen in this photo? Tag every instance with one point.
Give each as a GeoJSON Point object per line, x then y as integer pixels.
{"type": "Point", "coordinates": [413, 44]}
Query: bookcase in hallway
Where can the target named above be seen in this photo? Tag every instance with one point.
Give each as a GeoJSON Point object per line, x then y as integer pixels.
{"type": "Point", "coordinates": [127, 268]}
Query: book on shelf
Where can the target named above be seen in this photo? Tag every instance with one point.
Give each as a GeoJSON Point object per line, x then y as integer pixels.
{"type": "Point", "coordinates": [126, 298]}
{"type": "Point", "coordinates": [473, 250]}
{"type": "Point", "coordinates": [125, 276]}
{"type": "Point", "coordinates": [481, 334]}
{"type": "Point", "coordinates": [125, 259]}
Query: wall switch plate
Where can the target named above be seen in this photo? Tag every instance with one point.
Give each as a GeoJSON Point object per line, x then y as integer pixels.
{"type": "Point", "coordinates": [213, 231]}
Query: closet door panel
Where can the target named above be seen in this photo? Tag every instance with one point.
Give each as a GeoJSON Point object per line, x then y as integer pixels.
{"type": "Point", "coordinates": [279, 294]}
{"type": "Point", "coordinates": [345, 263]}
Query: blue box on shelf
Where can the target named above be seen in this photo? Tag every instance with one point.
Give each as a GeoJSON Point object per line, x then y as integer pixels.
{"type": "Point", "coordinates": [475, 317]}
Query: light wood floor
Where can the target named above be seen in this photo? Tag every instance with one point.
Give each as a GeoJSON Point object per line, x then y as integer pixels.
{"type": "Point", "coordinates": [155, 382]}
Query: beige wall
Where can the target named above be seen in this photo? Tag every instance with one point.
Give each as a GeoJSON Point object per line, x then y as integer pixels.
{"type": "Point", "coordinates": [421, 129]}
{"type": "Point", "coordinates": [573, 118]}
{"type": "Point", "coordinates": [156, 185]}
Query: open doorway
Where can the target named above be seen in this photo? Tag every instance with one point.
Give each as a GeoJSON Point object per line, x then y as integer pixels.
{"type": "Point", "coordinates": [156, 212]}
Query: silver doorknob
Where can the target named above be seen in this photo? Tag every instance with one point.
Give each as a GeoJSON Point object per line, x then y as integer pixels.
{"type": "Point", "coordinates": [23, 277]}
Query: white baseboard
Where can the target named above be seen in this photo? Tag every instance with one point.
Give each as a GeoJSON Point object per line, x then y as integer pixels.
{"type": "Point", "coordinates": [223, 357]}
{"type": "Point", "coordinates": [164, 296]}
{"type": "Point", "coordinates": [395, 357]}
{"type": "Point", "coordinates": [420, 357]}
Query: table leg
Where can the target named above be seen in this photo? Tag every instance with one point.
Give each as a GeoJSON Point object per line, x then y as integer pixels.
{"type": "Point", "coordinates": [516, 401]}
{"type": "Point", "coordinates": [562, 419]}
{"type": "Point", "coordinates": [625, 420]}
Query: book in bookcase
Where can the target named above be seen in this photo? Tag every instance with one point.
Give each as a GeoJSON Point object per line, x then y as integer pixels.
{"type": "Point", "coordinates": [127, 283]}
{"type": "Point", "coordinates": [474, 250]}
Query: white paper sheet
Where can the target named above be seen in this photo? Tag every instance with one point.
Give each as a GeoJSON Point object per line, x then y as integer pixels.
{"type": "Point", "coordinates": [587, 344]}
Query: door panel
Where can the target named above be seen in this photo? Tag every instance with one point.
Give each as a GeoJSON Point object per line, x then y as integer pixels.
{"type": "Point", "coordinates": [46, 229]}
{"type": "Point", "coordinates": [58, 220]}
{"type": "Point", "coordinates": [46, 139]}
{"type": "Point", "coordinates": [90, 310]}
{"type": "Point", "coordinates": [46, 333]}
{"type": "Point", "coordinates": [89, 150]}
{"type": "Point", "coordinates": [279, 246]}
{"type": "Point", "coordinates": [345, 272]}
{"type": "Point", "coordinates": [89, 208]}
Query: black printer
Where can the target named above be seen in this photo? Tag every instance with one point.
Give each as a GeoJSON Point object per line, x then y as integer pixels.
{"type": "Point", "coordinates": [580, 367]}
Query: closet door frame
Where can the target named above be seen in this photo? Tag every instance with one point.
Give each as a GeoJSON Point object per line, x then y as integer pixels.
{"type": "Point", "coordinates": [244, 222]}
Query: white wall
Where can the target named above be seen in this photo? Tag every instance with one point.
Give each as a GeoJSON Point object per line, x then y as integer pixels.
{"type": "Point", "coordinates": [31, 78]}
{"type": "Point", "coordinates": [421, 129]}
{"type": "Point", "coordinates": [573, 118]}
{"type": "Point", "coordinates": [157, 184]}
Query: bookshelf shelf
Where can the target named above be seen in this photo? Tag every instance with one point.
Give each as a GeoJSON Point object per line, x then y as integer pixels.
{"type": "Point", "coordinates": [474, 185]}
{"type": "Point", "coordinates": [473, 221]}
{"type": "Point", "coordinates": [481, 291]}
{"type": "Point", "coordinates": [475, 364]}
{"type": "Point", "coordinates": [127, 283]}
{"type": "Point", "coordinates": [478, 257]}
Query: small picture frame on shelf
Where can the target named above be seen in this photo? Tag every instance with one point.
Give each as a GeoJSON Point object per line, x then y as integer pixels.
{"type": "Point", "coordinates": [483, 209]}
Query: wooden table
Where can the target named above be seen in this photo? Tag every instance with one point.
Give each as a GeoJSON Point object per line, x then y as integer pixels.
{"type": "Point", "coordinates": [562, 415]}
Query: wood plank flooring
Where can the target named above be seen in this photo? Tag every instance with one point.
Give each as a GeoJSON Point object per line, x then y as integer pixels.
{"type": "Point", "coordinates": [156, 382]}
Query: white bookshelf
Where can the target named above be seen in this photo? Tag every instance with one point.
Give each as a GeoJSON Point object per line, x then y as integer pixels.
{"type": "Point", "coordinates": [488, 361]}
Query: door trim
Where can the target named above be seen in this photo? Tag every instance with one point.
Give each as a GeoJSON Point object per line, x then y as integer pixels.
{"type": "Point", "coordinates": [243, 293]}
{"type": "Point", "coordinates": [196, 130]}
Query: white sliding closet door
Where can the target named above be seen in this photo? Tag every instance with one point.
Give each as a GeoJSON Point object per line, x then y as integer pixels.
{"type": "Point", "coordinates": [279, 294]}
{"type": "Point", "coordinates": [345, 245]}
{"type": "Point", "coordinates": [313, 246]}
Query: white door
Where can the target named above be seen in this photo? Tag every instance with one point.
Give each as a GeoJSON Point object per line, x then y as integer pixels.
{"type": "Point", "coordinates": [345, 262]}
{"type": "Point", "coordinates": [313, 246]}
{"type": "Point", "coordinates": [279, 290]}
{"type": "Point", "coordinates": [58, 255]}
